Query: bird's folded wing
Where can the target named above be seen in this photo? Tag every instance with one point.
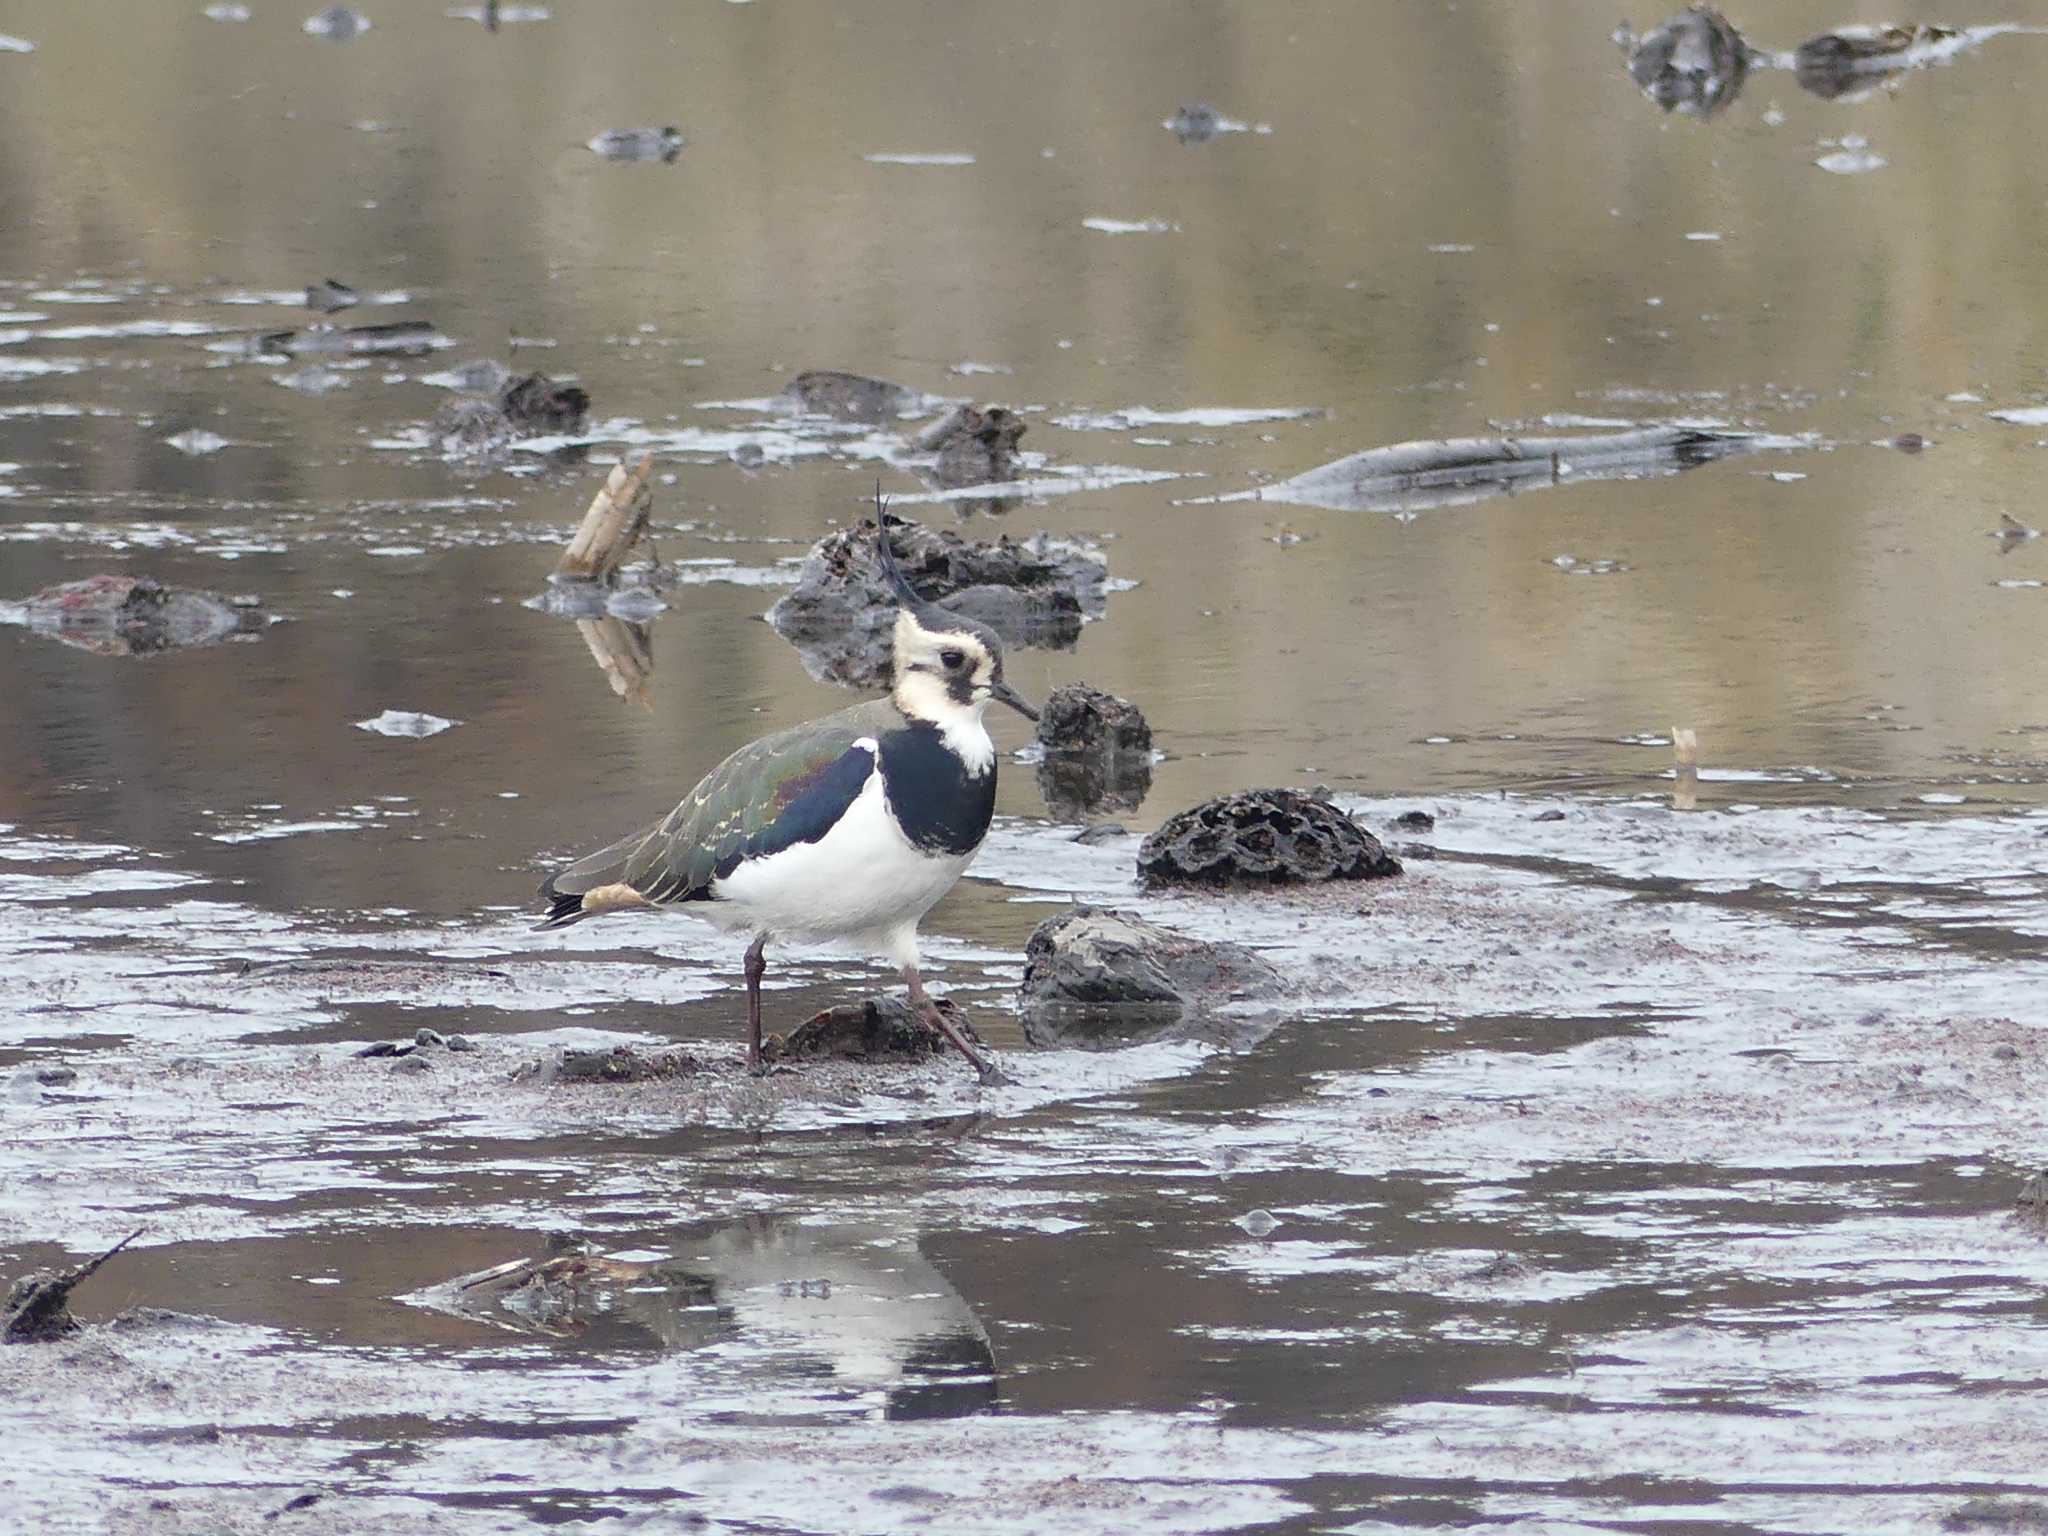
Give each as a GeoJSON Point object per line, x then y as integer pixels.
{"type": "Point", "coordinates": [782, 790]}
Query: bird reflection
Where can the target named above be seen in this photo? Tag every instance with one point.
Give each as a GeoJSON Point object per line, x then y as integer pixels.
{"type": "Point", "coordinates": [852, 1307]}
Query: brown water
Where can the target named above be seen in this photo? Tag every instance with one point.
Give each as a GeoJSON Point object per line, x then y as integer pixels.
{"type": "Point", "coordinates": [1638, 1291]}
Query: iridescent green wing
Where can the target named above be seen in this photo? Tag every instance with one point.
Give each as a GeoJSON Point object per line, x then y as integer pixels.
{"type": "Point", "coordinates": [781, 790]}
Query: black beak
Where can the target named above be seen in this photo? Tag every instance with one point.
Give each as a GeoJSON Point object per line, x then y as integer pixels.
{"type": "Point", "coordinates": [1003, 692]}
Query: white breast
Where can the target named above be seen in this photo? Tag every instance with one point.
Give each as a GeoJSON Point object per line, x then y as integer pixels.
{"type": "Point", "coordinates": [862, 881]}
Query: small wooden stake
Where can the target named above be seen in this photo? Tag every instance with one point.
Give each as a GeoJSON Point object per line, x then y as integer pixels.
{"type": "Point", "coordinates": [1685, 786]}
{"type": "Point", "coordinates": [617, 518]}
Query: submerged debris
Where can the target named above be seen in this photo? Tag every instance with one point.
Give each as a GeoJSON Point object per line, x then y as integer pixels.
{"type": "Point", "coordinates": [1855, 61]}
{"type": "Point", "coordinates": [2011, 533]}
{"type": "Point", "coordinates": [662, 144]}
{"type": "Point", "coordinates": [850, 396]}
{"type": "Point", "coordinates": [38, 1309]}
{"type": "Point", "coordinates": [533, 405]}
{"type": "Point", "coordinates": [1096, 977]}
{"type": "Point", "coordinates": [1407, 478]}
{"type": "Point", "coordinates": [337, 23]}
{"type": "Point", "coordinates": [1196, 124]}
{"type": "Point", "coordinates": [405, 337]}
{"type": "Point", "coordinates": [327, 296]}
{"type": "Point", "coordinates": [876, 1029]}
{"type": "Point", "coordinates": [1694, 64]}
{"type": "Point", "coordinates": [1263, 837]}
{"type": "Point", "coordinates": [119, 615]}
{"type": "Point", "coordinates": [842, 613]}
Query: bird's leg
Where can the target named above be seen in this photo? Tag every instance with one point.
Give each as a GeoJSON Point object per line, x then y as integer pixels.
{"type": "Point", "coordinates": [756, 967]}
{"type": "Point", "coordinates": [990, 1074]}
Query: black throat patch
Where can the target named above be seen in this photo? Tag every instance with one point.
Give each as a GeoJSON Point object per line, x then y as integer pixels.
{"type": "Point", "coordinates": [941, 807]}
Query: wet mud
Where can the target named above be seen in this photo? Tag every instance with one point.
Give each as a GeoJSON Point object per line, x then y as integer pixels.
{"type": "Point", "coordinates": [1566, 1063]}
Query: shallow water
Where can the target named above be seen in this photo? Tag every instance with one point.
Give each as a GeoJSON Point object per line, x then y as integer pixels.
{"type": "Point", "coordinates": [1630, 1170]}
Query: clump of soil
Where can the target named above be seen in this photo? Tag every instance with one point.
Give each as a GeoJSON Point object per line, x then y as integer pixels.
{"type": "Point", "coordinates": [1263, 837]}
{"type": "Point", "coordinates": [875, 1030]}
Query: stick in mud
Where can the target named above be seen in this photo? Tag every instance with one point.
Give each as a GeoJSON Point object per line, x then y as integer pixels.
{"type": "Point", "coordinates": [37, 1305]}
{"type": "Point", "coordinates": [1685, 783]}
{"type": "Point", "coordinates": [616, 521]}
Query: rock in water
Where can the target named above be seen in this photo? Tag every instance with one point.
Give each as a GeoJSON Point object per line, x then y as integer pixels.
{"type": "Point", "coordinates": [1098, 753]}
{"type": "Point", "coordinates": [1263, 837]}
{"type": "Point", "coordinates": [1095, 977]}
{"type": "Point", "coordinates": [849, 396]}
{"type": "Point", "coordinates": [1078, 718]}
{"type": "Point", "coordinates": [473, 426]}
{"type": "Point", "coordinates": [537, 406]}
{"type": "Point", "coordinates": [976, 445]}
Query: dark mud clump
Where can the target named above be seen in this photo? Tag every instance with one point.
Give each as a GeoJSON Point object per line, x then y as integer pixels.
{"type": "Point", "coordinates": [534, 405]}
{"type": "Point", "coordinates": [841, 614]}
{"type": "Point", "coordinates": [620, 1064]}
{"type": "Point", "coordinates": [1098, 753]}
{"type": "Point", "coordinates": [1693, 64]}
{"type": "Point", "coordinates": [1095, 977]}
{"type": "Point", "coordinates": [875, 1030]}
{"type": "Point", "coordinates": [849, 396]}
{"type": "Point", "coordinates": [1996, 1514]}
{"type": "Point", "coordinates": [118, 615]}
{"type": "Point", "coordinates": [976, 445]}
{"type": "Point", "coordinates": [327, 296]}
{"type": "Point", "coordinates": [1078, 718]}
{"type": "Point", "coordinates": [1263, 837]}
{"type": "Point", "coordinates": [627, 144]}
{"type": "Point", "coordinates": [38, 1305]}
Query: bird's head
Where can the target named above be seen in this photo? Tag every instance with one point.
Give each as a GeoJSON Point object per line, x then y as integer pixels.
{"type": "Point", "coordinates": [946, 665]}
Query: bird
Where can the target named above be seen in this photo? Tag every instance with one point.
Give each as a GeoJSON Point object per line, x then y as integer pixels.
{"type": "Point", "coordinates": [847, 828]}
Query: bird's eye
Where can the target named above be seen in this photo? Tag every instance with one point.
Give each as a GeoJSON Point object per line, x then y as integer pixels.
{"type": "Point", "coordinates": [952, 660]}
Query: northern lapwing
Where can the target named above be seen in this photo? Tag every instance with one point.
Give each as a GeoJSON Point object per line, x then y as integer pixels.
{"type": "Point", "coordinates": [847, 828]}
